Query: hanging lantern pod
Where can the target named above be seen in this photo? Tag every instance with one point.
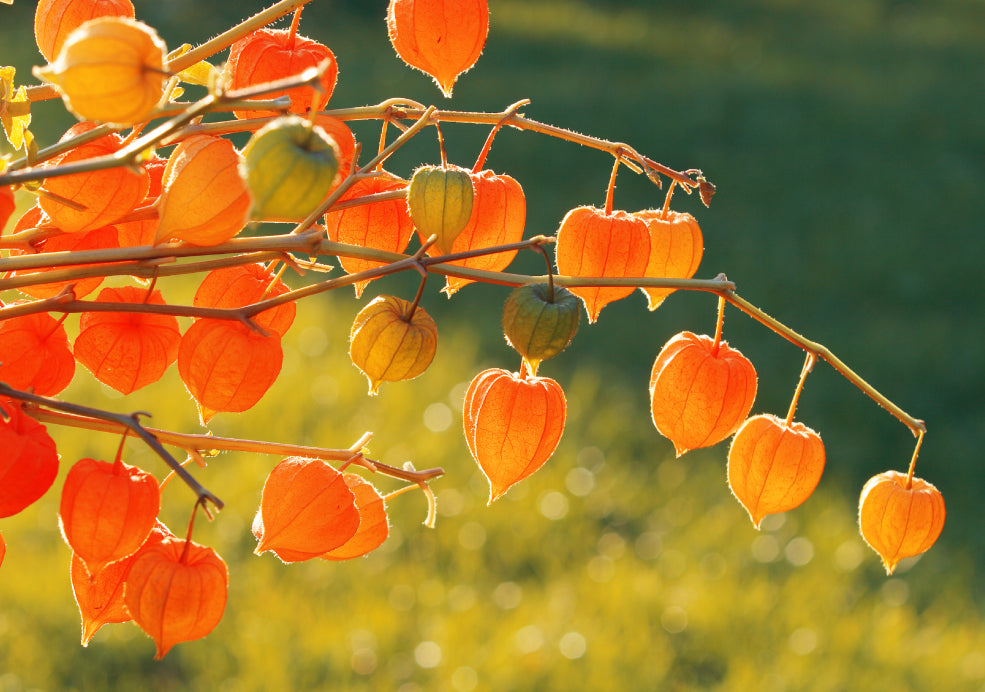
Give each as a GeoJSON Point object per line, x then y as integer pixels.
{"type": "Point", "coordinates": [440, 202]}
{"type": "Point", "coordinates": [442, 38]}
{"type": "Point", "coordinates": [513, 424]}
{"type": "Point", "coordinates": [899, 516]}
{"type": "Point", "coordinates": [290, 166]}
{"type": "Point", "coordinates": [540, 320]}
{"type": "Point", "coordinates": [773, 465]}
{"type": "Point", "coordinates": [387, 346]}
{"type": "Point", "coordinates": [700, 392]}
{"type": "Point", "coordinates": [107, 510]}
{"type": "Point", "coordinates": [110, 69]}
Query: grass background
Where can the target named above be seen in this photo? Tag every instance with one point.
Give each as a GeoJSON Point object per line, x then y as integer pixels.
{"type": "Point", "coordinates": [844, 138]}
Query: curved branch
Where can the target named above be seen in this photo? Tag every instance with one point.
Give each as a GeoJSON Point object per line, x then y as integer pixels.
{"type": "Point", "coordinates": [199, 444]}
{"type": "Point", "coordinates": [119, 422]}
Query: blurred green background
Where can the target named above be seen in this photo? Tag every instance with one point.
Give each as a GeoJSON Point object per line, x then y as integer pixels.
{"type": "Point", "coordinates": [846, 144]}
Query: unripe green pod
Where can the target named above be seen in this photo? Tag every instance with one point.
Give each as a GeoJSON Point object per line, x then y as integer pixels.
{"type": "Point", "coordinates": [537, 326]}
{"type": "Point", "coordinates": [290, 168]}
{"type": "Point", "coordinates": [440, 203]}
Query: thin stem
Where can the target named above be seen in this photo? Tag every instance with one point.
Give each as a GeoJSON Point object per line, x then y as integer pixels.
{"type": "Point", "coordinates": [311, 242]}
{"type": "Point", "coordinates": [432, 515]}
{"type": "Point", "coordinates": [400, 491]}
{"type": "Point", "coordinates": [524, 371]}
{"type": "Point", "coordinates": [150, 290]}
{"type": "Point", "coordinates": [913, 460]}
{"type": "Point", "coordinates": [384, 126]}
{"type": "Point", "coordinates": [396, 109]}
{"type": "Point", "coordinates": [507, 114]}
{"type": "Point", "coordinates": [330, 201]}
{"type": "Point", "coordinates": [718, 324]}
{"type": "Point", "coordinates": [441, 145]}
{"type": "Point", "coordinates": [188, 534]}
{"type": "Point", "coordinates": [670, 193]}
{"type": "Point", "coordinates": [58, 303]}
{"type": "Point", "coordinates": [273, 281]}
{"type": "Point", "coordinates": [808, 366]}
{"type": "Point", "coordinates": [229, 37]}
{"type": "Point", "coordinates": [409, 317]}
{"type": "Point", "coordinates": [550, 272]}
{"type": "Point", "coordinates": [915, 425]}
{"type": "Point", "coordinates": [301, 242]}
{"type": "Point", "coordinates": [167, 479]}
{"type": "Point", "coordinates": [129, 154]}
{"type": "Point", "coordinates": [119, 450]}
{"type": "Point", "coordinates": [639, 163]}
{"type": "Point", "coordinates": [58, 323]}
{"type": "Point", "coordinates": [293, 32]}
{"type": "Point", "coordinates": [610, 192]}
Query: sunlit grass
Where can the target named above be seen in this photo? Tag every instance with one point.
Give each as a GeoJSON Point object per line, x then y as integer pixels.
{"type": "Point", "coordinates": [603, 569]}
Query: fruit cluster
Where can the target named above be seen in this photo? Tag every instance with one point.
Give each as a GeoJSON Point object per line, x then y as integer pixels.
{"type": "Point", "coordinates": [113, 200]}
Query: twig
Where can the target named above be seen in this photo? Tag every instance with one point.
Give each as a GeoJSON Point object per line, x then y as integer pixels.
{"type": "Point", "coordinates": [119, 422]}
{"type": "Point", "coordinates": [198, 444]}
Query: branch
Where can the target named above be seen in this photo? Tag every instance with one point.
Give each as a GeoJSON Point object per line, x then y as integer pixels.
{"type": "Point", "coordinates": [199, 444]}
{"type": "Point", "coordinates": [120, 423]}
{"type": "Point", "coordinates": [388, 109]}
{"type": "Point", "coordinates": [129, 154]}
{"type": "Point", "coordinates": [916, 426]}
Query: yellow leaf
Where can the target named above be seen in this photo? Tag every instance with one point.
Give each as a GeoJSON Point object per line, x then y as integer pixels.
{"type": "Point", "coordinates": [15, 109]}
{"type": "Point", "coordinates": [201, 73]}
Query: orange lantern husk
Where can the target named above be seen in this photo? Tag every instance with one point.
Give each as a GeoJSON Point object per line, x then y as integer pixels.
{"type": "Point", "coordinates": [699, 393]}
{"type": "Point", "coordinates": [7, 205]}
{"type": "Point", "coordinates": [499, 211]}
{"type": "Point", "coordinates": [54, 20]}
{"type": "Point", "coordinates": [343, 137]}
{"type": "Point", "coordinates": [306, 509]}
{"type": "Point", "coordinates": [143, 232]}
{"type": "Point", "coordinates": [226, 366]}
{"type": "Point", "coordinates": [384, 225]}
{"type": "Point", "coordinates": [29, 463]}
{"type": "Point", "coordinates": [245, 284]}
{"type": "Point", "coordinates": [900, 517]}
{"type": "Point", "coordinates": [591, 242]}
{"type": "Point", "coordinates": [676, 246]}
{"type": "Point", "coordinates": [513, 424]}
{"type": "Point", "coordinates": [442, 38]}
{"type": "Point", "coordinates": [127, 350]}
{"type": "Point", "coordinates": [35, 354]}
{"type": "Point", "coordinates": [107, 510]}
{"type": "Point", "coordinates": [102, 196]}
{"type": "Point", "coordinates": [374, 525]}
{"type": "Point", "coordinates": [205, 199]}
{"type": "Point", "coordinates": [773, 465]}
{"type": "Point", "coordinates": [100, 596]}
{"type": "Point", "coordinates": [268, 55]}
{"type": "Point", "coordinates": [440, 200]}
{"type": "Point", "coordinates": [176, 591]}
{"type": "Point", "coordinates": [110, 69]}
